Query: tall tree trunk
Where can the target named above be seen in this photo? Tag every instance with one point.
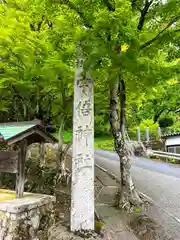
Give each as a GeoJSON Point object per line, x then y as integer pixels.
{"type": "Point", "coordinates": [82, 195]}
{"type": "Point", "coordinates": [60, 145]}
{"type": "Point", "coordinates": [63, 174]}
{"type": "Point", "coordinates": [42, 155]}
{"type": "Point", "coordinates": [114, 115]}
{"type": "Point", "coordinates": [127, 195]}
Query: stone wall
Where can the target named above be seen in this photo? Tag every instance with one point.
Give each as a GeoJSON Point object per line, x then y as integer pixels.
{"type": "Point", "coordinates": [28, 218]}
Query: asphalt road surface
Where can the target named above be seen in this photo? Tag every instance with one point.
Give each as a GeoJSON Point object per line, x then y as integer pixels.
{"type": "Point", "coordinates": [159, 180]}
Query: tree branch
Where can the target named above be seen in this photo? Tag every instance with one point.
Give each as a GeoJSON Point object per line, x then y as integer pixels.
{"type": "Point", "coordinates": [17, 94]}
{"type": "Point", "coordinates": [148, 43]}
{"type": "Point", "coordinates": [123, 107]}
{"type": "Point", "coordinates": [177, 30]}
{"type": "Point", "coordinates": [50, 24]}
{"type": "Point", "coordinates": [144, 11]}
{"type": "Point", "coordinates": [67, 147]}
{"type": "Point", "coordinates": [32, 27]}
{"type": "Point", "coordinates": [133, 4]}
{"type": "Point", "coordinates": [75, 8]}
{"type": "Point", "coordinates": [17, 56]}
{"type": "Point", "coordinates": [158, 114]}
{"type": "Point", "coordinates": [40, 23]}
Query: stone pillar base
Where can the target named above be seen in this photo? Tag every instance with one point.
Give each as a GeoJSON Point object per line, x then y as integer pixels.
{"type": "Point", "coordinates": [28, 218]}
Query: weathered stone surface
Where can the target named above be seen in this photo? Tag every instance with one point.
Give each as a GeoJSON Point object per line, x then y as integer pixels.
{"type": "Point", "coordinates": [28, 218]}
{"type": "Point", "coordinates": [27, 203]}
{"type": "Point", "coordinates": [60, 232]}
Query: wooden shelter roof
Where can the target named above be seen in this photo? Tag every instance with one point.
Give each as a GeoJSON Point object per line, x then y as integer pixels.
{"type": "Point", "coordinates": [33, 131]}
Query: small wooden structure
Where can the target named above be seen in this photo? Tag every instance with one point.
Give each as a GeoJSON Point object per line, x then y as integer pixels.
{"type": "Point", "coordinates": [20, 135]}
{"type": "Point", "coordinates": [172, 142]}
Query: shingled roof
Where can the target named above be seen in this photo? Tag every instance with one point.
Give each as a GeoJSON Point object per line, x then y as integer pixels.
{"type": "Point", "coordinates": [171, 134]}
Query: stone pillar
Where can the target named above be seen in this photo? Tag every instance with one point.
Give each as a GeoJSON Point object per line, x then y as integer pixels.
{"type": "Point", "coordinates": [148, 145]}
{"type": "Point", "coordinates": [82, 187]}
{"type": "Point", "coordinates": [139, 135]}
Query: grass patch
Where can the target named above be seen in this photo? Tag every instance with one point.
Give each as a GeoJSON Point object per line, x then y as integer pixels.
{"type": "Point", "coordinates": [167, 160]}
{"type": "Point", "coordinates": [67, 137]}
{"type": "Point", "coordinates": [103, 142]}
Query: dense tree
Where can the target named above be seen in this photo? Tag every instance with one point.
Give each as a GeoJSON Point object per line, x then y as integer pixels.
{"type": "Point", "coordinates": [37, 71]}
{"type": "Point", "coordinates": [134, 51]}
{"type": "Point", "coordinates": [163, 101]}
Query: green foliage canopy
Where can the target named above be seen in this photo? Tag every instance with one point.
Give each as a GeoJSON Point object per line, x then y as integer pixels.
{"type": "Point", "coordinates": [137, 39]}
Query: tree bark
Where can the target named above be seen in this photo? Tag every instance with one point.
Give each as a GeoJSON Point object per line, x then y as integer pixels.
{"type": "Point", "coordinates": [127, 196]}
{"type": "Point", "coordinates": [157, 115]}
{"type": "Point", "coordinates": [82, 188]}
{"type": "Point", "coordinates": [114, 118]}
{"type": "Point", "coordinates": [42, 155]}
{"type": "Point", "coordinates": [60, 145]}
{"type": "Point", "coordinates": [63, 174]}
{"type": "Point", "coordinates": [20, 176]}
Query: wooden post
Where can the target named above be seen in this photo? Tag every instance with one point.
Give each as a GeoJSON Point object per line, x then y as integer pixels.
{"type": "Point", "coordinates": [20, 178]}
{"type": "Point", "coordinates": [139, 135]}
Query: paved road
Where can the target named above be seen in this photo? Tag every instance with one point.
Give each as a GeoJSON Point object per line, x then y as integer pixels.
{"type": "Point", "coordinates": [159, 180]}
{"type": "Point", "coordinates": [145, 163]}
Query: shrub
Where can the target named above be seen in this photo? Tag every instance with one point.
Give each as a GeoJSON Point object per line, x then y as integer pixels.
{"type": "Point", "coordinates": [148, 123]}
{"type": "Point", "coordinates": [166, 122]}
